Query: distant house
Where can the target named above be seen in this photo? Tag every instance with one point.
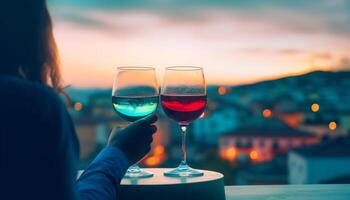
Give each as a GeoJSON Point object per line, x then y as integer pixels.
{"type": "Point", "coordinates": [288, 109]}
{"type": "Point", "coordinates": [268, 173]}
{"type": "Point", "coordinates": [322, 163]}
{"type": "Point", "coordinates": [261, 139]}
{"type": "Point", "coordinates": [221, 117]}
{"type": "Point", "coordinates": [338, 180]}
{"type": "Point", "coordinates": [320, 122]}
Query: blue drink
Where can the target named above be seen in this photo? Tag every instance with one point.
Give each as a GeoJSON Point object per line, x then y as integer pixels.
{"type": "Point", "coordinates": [134, 108]}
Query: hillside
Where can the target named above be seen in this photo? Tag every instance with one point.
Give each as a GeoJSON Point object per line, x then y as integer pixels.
{"type": "Point", "coordinates": [315, 79]}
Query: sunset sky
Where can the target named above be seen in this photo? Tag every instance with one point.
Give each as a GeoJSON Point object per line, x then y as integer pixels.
{"type": "Point", "coordinates": [236, 41]}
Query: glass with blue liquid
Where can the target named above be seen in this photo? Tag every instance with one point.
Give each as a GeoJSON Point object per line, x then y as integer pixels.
{"type": "Point", "coordinates": [135, 95]}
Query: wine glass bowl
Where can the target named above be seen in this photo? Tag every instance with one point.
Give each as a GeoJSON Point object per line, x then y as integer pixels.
{"type": "Point", "coordinates": [135, 95]}
{"type": "Point", "coordinates": [134, 108]}
{"type": "Point", "coordinates": [183, 109]}
{"type": "Point", "coordinates": [183, 99]}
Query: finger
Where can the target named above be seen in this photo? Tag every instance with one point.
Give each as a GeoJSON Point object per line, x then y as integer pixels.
{"type": "Point", "coordinates": [146, 139]}
{"type": "Point", "coordinates": [153, 129]}
{"type": "Point", "coordinates": [151, 119]}
{"type": "Point", "coordinates": [147, 120]}
{"type": "Point", "coordinates": [148, 131]}
{"type": "Point", "coordinates": [143, 152]}
{"type": "Point", "coordinates": [149, 140]}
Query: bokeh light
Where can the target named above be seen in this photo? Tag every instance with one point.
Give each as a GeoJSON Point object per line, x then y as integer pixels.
{"type": "Point", "coordinates": [159, 150]}
{"type": "Point", "coordinates": [222, 90]}
{"type": "Point", "coordinates": [253, 155]}
{"type": "Point", "coordinates": [315, 107]}
{"type": "Point", "coordinates": [332, 125]}
{"type": "Point", "coordinates": [231, 153]}
{"type": "Point", "coordinates": [267, 113]}
{"type": "Point", "coordinates": [78, 106]}
{"type": "Point", "coordinates": [153, 160]}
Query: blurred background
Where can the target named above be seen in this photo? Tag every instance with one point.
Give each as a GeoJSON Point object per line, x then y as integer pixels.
{"type": "Point", "coordinates": [277, 72]}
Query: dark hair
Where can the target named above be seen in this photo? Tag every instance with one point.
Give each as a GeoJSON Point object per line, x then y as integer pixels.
{"type": "Point", "coordinates": [27, 45]}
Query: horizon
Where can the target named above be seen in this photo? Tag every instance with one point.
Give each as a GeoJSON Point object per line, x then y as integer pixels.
{"type": "Point", "coordinates": [235, 42]}
{"type": "Point", "coordinates": [226, 85]}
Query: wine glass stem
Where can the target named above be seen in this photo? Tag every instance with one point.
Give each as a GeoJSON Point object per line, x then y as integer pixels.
{"type": "Point", "coordinates": [134, 166]}
{"type": "Point", "coordinates": [183, 144]}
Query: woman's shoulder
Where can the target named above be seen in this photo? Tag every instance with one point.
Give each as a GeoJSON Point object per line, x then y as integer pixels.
{"type": "Point", "coordinates": [38, 107]}
{"type": "Point", "coordinates": [28, 91]}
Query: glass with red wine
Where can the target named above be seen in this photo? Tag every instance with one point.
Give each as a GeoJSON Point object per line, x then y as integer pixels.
{"type": "Point", "coordinates": [183, 98]}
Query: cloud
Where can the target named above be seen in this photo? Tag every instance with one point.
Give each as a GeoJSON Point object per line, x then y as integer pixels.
{"type": "Point", "coordinates": [344, 64]}
{"type": "Point", "coordinates": [322, 55]}
{"type": "Point", "coordinates": [203, 3]}
{"type": "Point", "coordinates": [82, 20]}
{"type": "Point", "coordinates": [333, 3]}
{"type": "Point", "coordinates": [289, 51]}
{"type": "Point", "coordinates": [281, 51]}
{"type": "Point", "coordinates": [301, 17]}
{"type": "Point", "coordinates": [251, 38]}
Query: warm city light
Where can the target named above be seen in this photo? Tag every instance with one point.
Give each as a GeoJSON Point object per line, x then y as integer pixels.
{"type": "Point", "coordinates": [332, 126]}
{"type": "Point", "coordinates": [153, 161]}
{"type": "Point", "coordinates": [253, 155]}
{"type": "Point", "coordinates": [267, 113]}
{"type": "Point", "coordinates": [159, 150]}
{"type": "Point", "coordinates": [315, 107]}
{"type": "Point", "coordinates": [222, 90]}
{"type": "Point", "coordinates": [292, 119]}
{"type": "Point", "coordinates": [78, 106]}
{"type": "Point", "coordinates": [231, 153]}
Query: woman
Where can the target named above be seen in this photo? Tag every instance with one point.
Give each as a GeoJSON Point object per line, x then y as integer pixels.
{"type": "Point", "coordinates": [38, 145]}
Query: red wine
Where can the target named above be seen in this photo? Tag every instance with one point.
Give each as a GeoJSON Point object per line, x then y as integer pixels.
{"type": "Point", "coordinates": [183, 108]}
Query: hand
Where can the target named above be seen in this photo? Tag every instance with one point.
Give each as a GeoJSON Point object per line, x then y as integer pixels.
{"type": "Point", "coordinates": [135, 140]}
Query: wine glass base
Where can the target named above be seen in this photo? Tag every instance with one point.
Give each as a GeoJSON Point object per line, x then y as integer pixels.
{"type": "Point", "coordinates": [137, 173]}
{"type": "Point", "coordinates": [183, 170]}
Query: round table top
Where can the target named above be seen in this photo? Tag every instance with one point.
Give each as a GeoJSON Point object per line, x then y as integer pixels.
{"type": "Point", "coordinates": [160, 179]}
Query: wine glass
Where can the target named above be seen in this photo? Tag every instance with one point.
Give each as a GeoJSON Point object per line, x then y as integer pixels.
{"type": "Point", "coordinates": [183, 98]}
{"type": "Point", "coordinates": [135, 95]}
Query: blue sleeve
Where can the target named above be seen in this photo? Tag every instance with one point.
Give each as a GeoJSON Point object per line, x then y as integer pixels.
{"type": "Point", "coordinates": [101, 180]}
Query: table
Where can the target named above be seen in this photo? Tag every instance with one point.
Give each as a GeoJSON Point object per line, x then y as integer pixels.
{"type": "Point", "coordinates": [288, 192]}
{"type": "Point", "coordinates": [160, 187]}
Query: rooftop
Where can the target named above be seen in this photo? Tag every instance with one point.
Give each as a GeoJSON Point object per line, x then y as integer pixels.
{"type": "Point", "coordinates": [339, 147]}
{"type": "Point", "coordinates": [338, 180]}
{"type": "Point", "coordinates": [267, 128]}
{"type": "Point", "coordinates": [272, 172]}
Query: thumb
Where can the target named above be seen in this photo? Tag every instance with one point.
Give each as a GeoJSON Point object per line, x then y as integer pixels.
{"type": "Point", "coordinates": [142, 123]}
{"type": "Point", "coordinates": [150, 119]}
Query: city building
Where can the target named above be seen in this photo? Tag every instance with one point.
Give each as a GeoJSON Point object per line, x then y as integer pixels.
{"type": "Point", "coordinates": [261, 139]}
{"type": "Point", "coordinates": [221, 116]}
{"type": "Point", "coordinates": [267, 173]}
{"type": "Point", "coordinates": [327, 162]}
